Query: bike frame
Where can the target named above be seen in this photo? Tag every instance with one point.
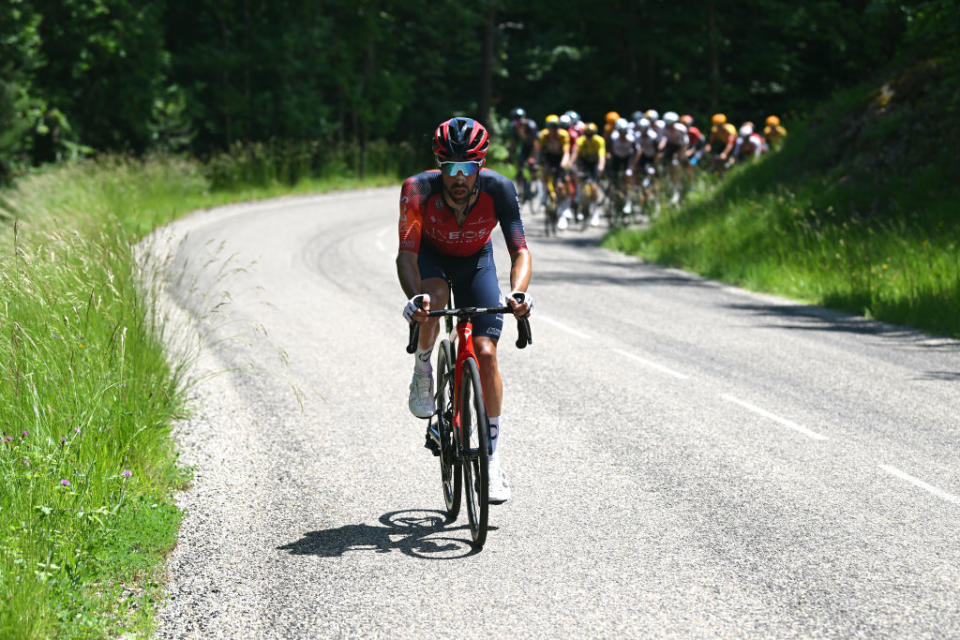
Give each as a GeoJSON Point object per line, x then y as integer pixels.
{"type": "Point", "coordinates": [462, 342]}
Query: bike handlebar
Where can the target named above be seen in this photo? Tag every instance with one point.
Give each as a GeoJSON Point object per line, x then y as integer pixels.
{"type": "Point", "coordinates": [525, 336]}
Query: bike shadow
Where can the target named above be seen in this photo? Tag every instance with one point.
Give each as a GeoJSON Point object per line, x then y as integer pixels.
{"type": "Point", "coordinates": [419, 533]}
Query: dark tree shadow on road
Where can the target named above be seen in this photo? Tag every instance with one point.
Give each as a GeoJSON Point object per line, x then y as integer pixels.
{"type": "Point", "coordinates": [417, 533]}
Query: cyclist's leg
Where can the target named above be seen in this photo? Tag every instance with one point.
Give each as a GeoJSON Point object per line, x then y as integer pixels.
{"type": "Point", "coordinates": [483, 290]}
{"type": "Point", "coordinates": [433, 281]}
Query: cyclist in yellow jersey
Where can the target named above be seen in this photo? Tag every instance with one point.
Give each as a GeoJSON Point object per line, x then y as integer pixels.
{"type": "Point", "coordinates": [774, 132]}
{"type": "Point", "coordinates": [589, 156]}
{"type": "Point", "coordinates": [554, 157]}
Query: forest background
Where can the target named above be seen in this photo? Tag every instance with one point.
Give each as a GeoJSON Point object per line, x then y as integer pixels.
{"type": "Point", "coordinates": [323, 80]}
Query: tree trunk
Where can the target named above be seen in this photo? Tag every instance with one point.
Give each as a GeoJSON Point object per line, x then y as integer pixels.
{"type": "Point", "coordinates": [486, 81]}
{"type": "Point", "coordinates": [714, 58]}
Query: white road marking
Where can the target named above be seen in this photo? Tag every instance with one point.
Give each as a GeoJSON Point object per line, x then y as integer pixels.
{"type": "Point", "coordinates": [766, 414]}
{"type": "Point", "coordinates": [380, 235]}
{"type": "Point", "coordinates": [654, 365]}
{"type": "Point", "coordinates": [561, 326]}
{"type": "Point", "coordinates": [940, 493]}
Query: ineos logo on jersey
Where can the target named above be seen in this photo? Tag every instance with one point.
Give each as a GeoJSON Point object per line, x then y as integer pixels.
{"type": "Point", "coordinates": [453, 235]}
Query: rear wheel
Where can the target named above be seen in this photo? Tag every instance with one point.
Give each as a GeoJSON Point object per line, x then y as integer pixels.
{"type": "Point", "coordinates": [449, 462]}
{"type": "Point", "coordinates": [475, 431]}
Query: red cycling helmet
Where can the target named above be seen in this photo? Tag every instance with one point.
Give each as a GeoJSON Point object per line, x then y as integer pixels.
{"type": "Point", "coordinates": [459, 140]}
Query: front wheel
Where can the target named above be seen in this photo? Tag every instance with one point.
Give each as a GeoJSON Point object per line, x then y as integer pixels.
{"type": "Point", "coordinates": [475, 431]}
{"type": "Point", "coordinates": [449, 461]}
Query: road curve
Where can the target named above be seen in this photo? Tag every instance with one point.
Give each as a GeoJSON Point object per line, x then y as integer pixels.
{"type": "Point", "coordinates": [688, 460]}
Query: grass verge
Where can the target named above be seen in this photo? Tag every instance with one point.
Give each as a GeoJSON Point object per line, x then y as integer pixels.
{"type": "Point", "coordinates": [88, 470]}
{"type": "Point", "coordinates": [852, 214]}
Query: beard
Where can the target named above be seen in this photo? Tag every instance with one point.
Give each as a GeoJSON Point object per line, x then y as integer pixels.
{"type": "Point", "coordinates": [458, 194]}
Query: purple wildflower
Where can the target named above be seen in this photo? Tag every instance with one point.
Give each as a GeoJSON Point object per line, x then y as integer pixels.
{"type": "Point", "coordinates": [77, 429]}
{"type": "Point", "coordinates": [126, 473]}
{"type": "Point", "coordinates": [65, 483]}
{"type": "Point", "coordinates": [63, 441]}
{"type": "Point", "coordinates": [9, 438]}
{"type": "Point", "coordinates": [24, 433]}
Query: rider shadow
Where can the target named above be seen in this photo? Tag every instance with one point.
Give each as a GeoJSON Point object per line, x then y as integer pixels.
{"type": "Point", "coordinates": [413, 532]}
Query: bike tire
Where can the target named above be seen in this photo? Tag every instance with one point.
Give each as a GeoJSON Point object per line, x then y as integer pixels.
{"type": "Point", "coordinates": [475, 431]}
{"type": "Point", "coordinates": [451, 478]}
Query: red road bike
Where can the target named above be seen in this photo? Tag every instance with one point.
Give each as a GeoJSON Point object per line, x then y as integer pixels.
{"type": "Point", "coordinates": [458, 432]}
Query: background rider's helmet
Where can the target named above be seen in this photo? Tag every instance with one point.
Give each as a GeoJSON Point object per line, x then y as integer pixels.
{"type": "Point", "coordinates": [686, 119]}
{"type": "Point", "coordinates": [773, 121]}
{"type": "Point", "coordinates": [517, 113]}
{"type": "Point", "coordinates": [460, 139]}
{"type": "Point", "coordinates": [718, 118]}
{"type": "Point", "coordinates": [591, 128]}
{"type": "Point", "coordinates": [653, 115]}
{"type": "Point", "coordinates": [636, 116]}
{"type": "Point", "coordinates": [553, 120]}
{"type": "Point", "coordinates": [746, 130]}
{"type": "Point", "coordinates": [565, 121]}
{"type": "Point", "coordinates": [574, 116]}
{"type": "Point", "coordinates": [644, 124]}
{"type": "Point", "coordinates": [612, 116]}
{"type": "Point", "coordinates": [670, 117]}
{"type": "Point", "coordinates": [621, 124]}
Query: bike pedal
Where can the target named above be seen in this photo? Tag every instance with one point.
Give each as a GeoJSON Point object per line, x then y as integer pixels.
{"type": "Point", "coordinates": [432, 445]}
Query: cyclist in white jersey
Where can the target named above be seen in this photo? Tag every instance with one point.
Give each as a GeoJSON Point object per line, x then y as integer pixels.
{"type": "Point", "coordinates": [623, 144]}
{"type": "Point", "coordinates": [649, 145]}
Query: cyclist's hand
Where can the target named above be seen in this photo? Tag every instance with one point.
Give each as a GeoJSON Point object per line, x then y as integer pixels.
{"type": "Point", "coordinates": [416, 308]}
{"type": "Point", "coordinates": [521, 302]}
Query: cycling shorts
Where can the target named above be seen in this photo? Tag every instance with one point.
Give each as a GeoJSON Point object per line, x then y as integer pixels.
{"type": "Point", "coordinates": [588, 168]}
{"type": "Point", "coordinates": [474, 280]}
{"type": "Point", "coordinates": [672, 151]}
{"type": "Point", "coordinates": [618, 164]}
{"type": "Point", "coordinates": [551, 162]}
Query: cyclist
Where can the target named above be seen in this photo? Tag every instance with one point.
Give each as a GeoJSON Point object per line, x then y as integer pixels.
{"type": "Point", "coordinates": [523, 148]}
{"type": "Point", "coordinates": [674, 153]}
{"type": "Point", "coordinates": [570, 186]}
{"type": "Point", "coordinates": [554, 158]}
{"type": "Point", "coordinates": [695, 149]}
{"type": "Point", "coordinates": [620, 150]}
{"type": "Point", "coordinates": [649, 145]}
{"type": "Point", "coordinates": [723, 136]}
{"type": "Point", "coordinates": [609, 124]}
{"type": "Point", "coordinates": [749, 144]}
{"type": "Point", "coordinates": [589, 157]}
{"type": "Point", "coordinates": [446, 220]}
{"type": "Point", "coordinates": [774, 132]}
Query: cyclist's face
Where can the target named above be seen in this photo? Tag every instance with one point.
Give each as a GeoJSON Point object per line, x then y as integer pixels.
{"type": "Point", "coordinates": [459, 187]}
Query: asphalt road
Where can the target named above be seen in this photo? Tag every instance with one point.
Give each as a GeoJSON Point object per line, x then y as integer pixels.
{"type": "Point", "coordinates": [688, 460]}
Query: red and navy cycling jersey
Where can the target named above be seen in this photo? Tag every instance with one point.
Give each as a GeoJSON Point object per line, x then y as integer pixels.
{"type": "Point", "coordinates": [425, 216]}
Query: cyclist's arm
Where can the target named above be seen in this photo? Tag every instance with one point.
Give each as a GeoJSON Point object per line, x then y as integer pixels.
{"type": "Point", "coordinates": [409, 273]}
{"type": "Point", "coordinates": [409, 228]}
{"type": "Point", "coordinates": [521, 267]}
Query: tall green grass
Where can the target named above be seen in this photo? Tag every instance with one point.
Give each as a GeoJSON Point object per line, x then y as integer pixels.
{"type": "Point", "coordinates": [88, 395]}
{"type": "Point", "coordinates": [87, 464]}
{"type": "Point", "coordinates": [856, 213]}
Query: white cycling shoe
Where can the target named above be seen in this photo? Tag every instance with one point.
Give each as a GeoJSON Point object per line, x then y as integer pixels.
{"type": "Point", "coordinates": [498, 489]}
{"type": "Point", "coordinates": [421, 395]}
